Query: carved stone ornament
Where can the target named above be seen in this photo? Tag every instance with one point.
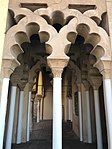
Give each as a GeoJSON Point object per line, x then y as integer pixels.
{"type": "Point", "coordinates": [57, 66]}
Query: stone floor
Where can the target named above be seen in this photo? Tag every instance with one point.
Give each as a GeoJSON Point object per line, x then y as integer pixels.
{"type": "Point", "coordinates": [41, 138]}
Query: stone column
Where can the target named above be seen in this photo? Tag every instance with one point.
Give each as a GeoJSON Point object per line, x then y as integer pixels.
{"type": "Point", "coordinates": [96, 83]}
{"type": "Point", "coordinates": [3, 107]}
{"type": "Point", "coordinates": [25, 113]}
{"type": "Point", "coordinates": [34, 110]}
{"type": "Point", "coordinates": [28, 117]}
{"type": "Point", "coordinates": [108, 104]}
{"type": "Point", "coordinates": [80, 112]}
{"type": "Point", "coordinates": [11, 117]}
{"type": "Point", "coordinates": [41, 108]}
{"type": "Point", "coordinates": [57, 66]}
{"type": "Point", "coordinates": [66, 108]}
{"type": "Point", "coordinates": [65, 97]}
{"type": "Point", "coordinates": [5, 73]}
{"type": "Point", "coordinates": [36, 115]}
{"type": "Point", "coordinates": [38, 111]}
{"type": "Point", "coordinates": [31, 114]}
{"type": "Point", "coordinates": [57, 113]}
{"type": "Point", "coordinates": [29, 106]}
{"type": "Point", "coordinates": [39, 98]}
{"type": "Point", "coordinates": [70, 106]}
{"type": "Point", "coordinates": [89, 128]}
{"type": "Point", "coordinates": [14, 135]}
{"type": "Point", "coordinates": [19, 127]}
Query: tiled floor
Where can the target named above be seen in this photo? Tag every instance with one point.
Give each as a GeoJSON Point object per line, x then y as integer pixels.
{"type": "Point", "coordinates": [41, 138]}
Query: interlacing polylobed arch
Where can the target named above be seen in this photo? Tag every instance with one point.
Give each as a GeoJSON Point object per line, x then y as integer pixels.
{"type": "Point", "coordinates": [78, 25]}
{"type": "Point", "coordinates": [50, 13]}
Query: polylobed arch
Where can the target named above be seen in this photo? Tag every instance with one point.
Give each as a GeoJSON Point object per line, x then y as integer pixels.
{"type": "Point", "coordinates": [22, 32]}
{"type": "Point", "coordinates": [87, 28]}
{"type": "Point", "coordinates": [94, 14]}
{"type": "Point", "coordinates": [94, 35]}
{"type": "Point", "coordinates": [50, 12]}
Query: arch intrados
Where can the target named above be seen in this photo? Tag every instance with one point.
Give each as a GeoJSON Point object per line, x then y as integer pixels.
{"type": "Point", "coordinates": [32, 28]}
{"type": "Point", "coordinates": [93, 39]}
{"type": "Point", "coordinates": [16, 50]}
{"type": "Point", "coordinates": [98, 52]}
{"type": "Point", "coordinates": [83, 30]}
{"type": "Point", "coordinates": [47, 18]}
{"type": "Point", "coordinates": [21, 37]}
{"type": "Point", "coordinates": [57, 17]}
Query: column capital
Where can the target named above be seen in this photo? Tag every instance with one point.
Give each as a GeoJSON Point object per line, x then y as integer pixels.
{"type": "Point", "coordinates": [22, 86]}
{"type": "Point", "coordinates": [95, 78]}
{"type": "Point", "coordinates": [104, 67]}
{"type": "Point", "coordinates": [95, 81]}
{"type": "Point", "coordinates": [86, 84]}
{"type": "Point", "coordinates": [106, 73]}
{"type": "Point", "coordinates": [8, 66]}
{"type": "Point", "coordinates": [57, 72]}
{"type": "Point", "coordinates": [6, 72]}
{"type": "Point", "coordinates": [57, 65]}
{"type": "Point", "coordinates": [14, 81]}
{"type": "Point", "coordinates": [79, 86]}
{"type": "Point", "coordinates": [37, 98]}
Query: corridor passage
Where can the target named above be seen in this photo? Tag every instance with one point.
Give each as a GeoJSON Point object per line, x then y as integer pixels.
{"type": "Point", "coordinates": [41, 138]}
